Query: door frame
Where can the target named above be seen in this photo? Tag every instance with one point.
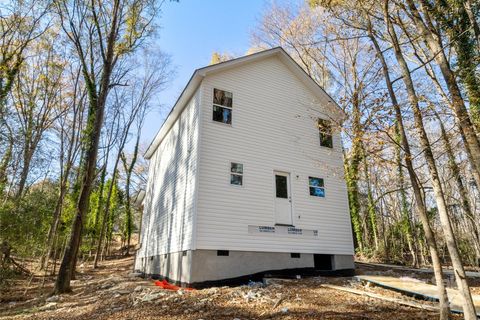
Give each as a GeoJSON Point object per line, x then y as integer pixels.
{"type": "Point", "coordinates": [289, 190]}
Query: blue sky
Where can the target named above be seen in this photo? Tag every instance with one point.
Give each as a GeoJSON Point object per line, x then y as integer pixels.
{"type": "Point", "coordinates": [190, 30]}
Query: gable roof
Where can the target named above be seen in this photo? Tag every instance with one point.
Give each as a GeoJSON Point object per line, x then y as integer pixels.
{"type": "Point", "coordinates": [201, 73]}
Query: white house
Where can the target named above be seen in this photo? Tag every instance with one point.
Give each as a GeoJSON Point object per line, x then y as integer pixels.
{"type": "Point", "coordinates": [242, 182]}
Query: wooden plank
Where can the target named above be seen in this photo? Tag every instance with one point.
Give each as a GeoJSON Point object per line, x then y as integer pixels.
{"type": "Point", "coordinates": [419, 289]}
{"type": "Point", "coordinates": [380, 297]}
{"type": "Point", "coordinates": [472, 274]}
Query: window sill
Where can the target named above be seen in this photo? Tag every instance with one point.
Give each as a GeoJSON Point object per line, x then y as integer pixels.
{"type": "Point", "coordinates": [221, 123]}
{"type": "Point", "coordinates": [329, 148]}
{"type": "Point", "coordinates": [315, 197]}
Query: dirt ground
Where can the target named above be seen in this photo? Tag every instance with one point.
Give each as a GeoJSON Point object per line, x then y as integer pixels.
{"type": "Point", "coordinates": [112, 292]}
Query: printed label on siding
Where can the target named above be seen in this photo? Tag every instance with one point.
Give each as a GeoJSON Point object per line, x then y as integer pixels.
{"type": "Point", "coordinates": [292, 230]}
{"type": "Point", "coordinates": [282, 230]}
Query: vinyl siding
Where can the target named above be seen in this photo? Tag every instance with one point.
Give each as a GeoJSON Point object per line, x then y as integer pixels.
{"type": "Point", "coordinates": [273, 128]}
{"type": "Point", "coordinates": [170, 193]}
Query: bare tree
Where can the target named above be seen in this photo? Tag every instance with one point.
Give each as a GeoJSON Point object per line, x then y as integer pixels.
{"type": "Point", "coordinates": [144, 88]}
{"type": "Point", "coordinates": [20, 24]}
{"type": "Point", "coordinates": [433, 40]}
{"type": "Point", "coordinates": [419, 199]}
{"type": "Point", "coordinates": [37, 98]}
{"type": "Point", "coordinates": [462, 190]}
{"type": "Point", "coordinates": [101, 33]}
{"type": "Point", "coordinates": [69, 126]}
{"type": "Point", "coordinates": [468, 307]}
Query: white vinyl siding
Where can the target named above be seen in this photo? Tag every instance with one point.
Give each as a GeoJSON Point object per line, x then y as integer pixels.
{"type": "Point", "coordinates": [167, 224]}
{"type": "Point", "coordinates": [275, 128]}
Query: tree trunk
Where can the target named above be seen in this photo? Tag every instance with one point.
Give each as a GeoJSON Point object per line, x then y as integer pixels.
{"type": "Point", "coordinates": [406, 223]}
{"type": "Point", "coordinates": [4, 165]}
{"type": "Point", "coordinates": [473, 20]}
{"type": "Point", "coordinates": [371, 209]}
{"type": "Point", "coordinates": [105, 215]}
{"type": "Point", "coordinates": [468, 307]}
{"type": "Point", "coordinates": [98, 210]}
{"type": "Point", "coordinates": [455, 17]}
{"type": "Point", "coordinates": [430, 72]}
{"type": "Point", "coordinates": [384, 234]}
{"type": "Point", "coordinates": [351, 171]}
{"type": "Point", "coordinates": [54, 225]}
{"type": "Point", "coordinates": [464, 197]}
{"type": "Point", "coordinates": [421, 248]}
{"type": "Point", "coordinates": [55, 255]}
{"type": "Point", "coordinates": [458, 104]}
{"type": "Point", "coordinates": [65, 168]}
{"type": "Point", "coordinates": [95, 119]}
{"type": "Point", "coordinates": [27, 158]}
{"type": "Point", "coordinates": [353, 163]}
{"type": "Point", "coordinates": [100, 194]}
{"type": "Point", "coordinates": [129, 170]}
{"type": "Point", "coordinates": [419, 202]}
{"type": "Point", "coordinates": [91, 140]}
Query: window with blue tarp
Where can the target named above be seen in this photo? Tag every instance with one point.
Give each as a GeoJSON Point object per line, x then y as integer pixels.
{"type": "Point", "coordinates": [316, 186]}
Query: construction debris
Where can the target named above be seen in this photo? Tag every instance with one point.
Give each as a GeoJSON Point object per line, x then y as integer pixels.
{"type": "Point", "coordinates": [110, 292]}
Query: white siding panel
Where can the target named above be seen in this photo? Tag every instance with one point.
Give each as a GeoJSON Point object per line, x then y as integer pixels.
{"type": "Point", "coordinates": [273, 128]}
{"type": "Point", "coordinates": [170, 195]}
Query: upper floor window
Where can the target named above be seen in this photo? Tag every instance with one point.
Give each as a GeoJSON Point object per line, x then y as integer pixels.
{"type": "Point", "coordinates": [236, 174]}
{"type": "Point", "coordinates": [222, 106]}
{"type": "Point", "coordinates": [325, 133]}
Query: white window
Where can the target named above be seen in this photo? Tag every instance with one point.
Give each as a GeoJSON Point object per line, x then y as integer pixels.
{"type": "Point", "coordinates": [316, 186]}
{"type": "Point", "coordinates": [236, 174]}
{"type": "Point", "coordinates": [222, 106]}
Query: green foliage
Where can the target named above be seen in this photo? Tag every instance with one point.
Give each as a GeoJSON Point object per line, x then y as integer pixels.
{"type": "Point", "coordinates": [456, 24]}
{"type": "Point", "coordinates": [397, 241]}
{"type": "Point", "coordinates": [432, 213]}
{"type": "Point", "coordinates": [116, 210]}
{"type": "Point", "coordinates": [92, 226]}
{"type": "Point", "coordinates": [354, 204]}
{"type": "Point", "coordinates": [467, 250]}
{"type": "Point", "coordinates": [25, 222]}
{"type": "Point", "coordinates": [96, 214]}
{"type": "Point", "coordinates": [69, 208]}
{"type": "Point", "coordinates": [93, 213]}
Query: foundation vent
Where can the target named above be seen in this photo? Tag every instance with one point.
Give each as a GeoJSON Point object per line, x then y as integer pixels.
{"type": "Point", "coordinates": [223, 253]}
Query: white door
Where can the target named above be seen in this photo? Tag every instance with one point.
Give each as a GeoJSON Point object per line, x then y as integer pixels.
{"type": "Point", "coordinates": [283, 199]}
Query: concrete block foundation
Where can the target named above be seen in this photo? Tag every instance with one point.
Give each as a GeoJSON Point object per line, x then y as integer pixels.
{"type": "Point", "coordinates": [204, 268]}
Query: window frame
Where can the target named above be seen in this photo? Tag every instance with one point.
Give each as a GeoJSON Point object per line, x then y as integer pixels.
{"type": "Point", "coordinates": [221, 106]}
{"type": "Point", "coordinates": [236, 174]}
{"type": "Point", "coordinates": [312, 186]}
{"type": "Point", "coordinates": [326, 135]}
